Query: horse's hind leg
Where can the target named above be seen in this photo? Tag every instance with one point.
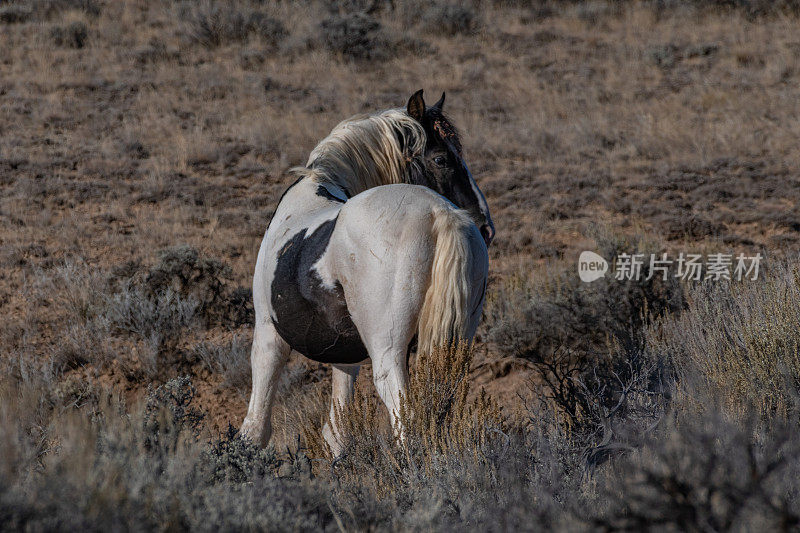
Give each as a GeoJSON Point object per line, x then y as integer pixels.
{"type": "Point", "coordinates": [343, 382]}
{"type": "Point", "coordinates": [390, 375]}
{"type": "Point", "coordinates": [267, 358]}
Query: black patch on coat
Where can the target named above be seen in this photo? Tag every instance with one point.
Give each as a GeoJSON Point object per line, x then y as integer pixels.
{"type": "Point", "coordinates": [314, 320]}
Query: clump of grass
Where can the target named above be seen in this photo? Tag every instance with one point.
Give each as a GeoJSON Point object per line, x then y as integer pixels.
{"type": "Point", "coordinates": [740, 341]}
{"type": "Point", "coordinates": [436, 413]}
{"type": "Point", "coordinates": [453, 19]}
{"type": "Point", "coordinates": [76, 292]}
{"type": "Point", "coordinates": [231, 359]}
{"type": "Point", "coordinates": [213, 24]}
{"type": "Point", "coordinates": [440, 423]}
{"type": "Point", "coordinates": [73, 35]}
{"type": "Point", "coordinates": [355, 36]}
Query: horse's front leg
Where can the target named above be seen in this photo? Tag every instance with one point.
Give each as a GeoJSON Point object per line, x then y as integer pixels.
{"type": "Point", "coordinates": [267, 358]}
{"type": "Point", "coordinates": [343, 382]}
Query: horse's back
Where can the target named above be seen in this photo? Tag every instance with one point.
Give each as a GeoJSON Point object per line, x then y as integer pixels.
{"type": "Point", "coordinates": [395, 202]}
{"type": "Point", "coordinates": [400, 217]}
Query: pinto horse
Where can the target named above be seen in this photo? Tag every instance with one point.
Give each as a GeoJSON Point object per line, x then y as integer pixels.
{"type": "Point", "coordinates": [381, 240]}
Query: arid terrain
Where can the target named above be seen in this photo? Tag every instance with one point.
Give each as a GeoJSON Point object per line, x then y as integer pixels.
{"type": "Point", "coordinates": [143, 149]}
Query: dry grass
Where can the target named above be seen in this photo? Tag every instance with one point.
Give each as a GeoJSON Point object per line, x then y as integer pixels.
{"type": "Point", "coordinates": [438, 414]}
{"type": "Point", "coordinates": [739, 344]}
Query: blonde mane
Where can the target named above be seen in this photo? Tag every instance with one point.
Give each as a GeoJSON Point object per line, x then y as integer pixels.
{"type": "Point", "coordinates": [366, 151]}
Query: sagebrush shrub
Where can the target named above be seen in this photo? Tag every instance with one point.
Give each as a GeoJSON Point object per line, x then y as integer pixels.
{"type": "Point", "coordinates": [73, 35]}
{"type": "Point", "coordinates": [704, 473]}
{"type": "Point", "coordinates": [739, 343]}
{"type": "Point", "coordinates": [584, 340]}
{"type": "Point", "coordinates": [88, 465]}
{"type": "Point", "coordinates": [753, 8]}
{"type": "Point", "coordinates": [89, 7]}
{"type": "Point", "coordinates": [452, 19]}
{"type": "Point", "coordinates": [355, 36]}
{"type": "Point", "coordinates": [231, 359]}
{"type": "Point", "coordinates": [183, 270]}
{"type": "Point", "coordinates": [169, 410]}
{"type": "Point", "coordinates": [269, 29]}
{"type": "Point", "coordinates": [235, 459]}
{"type": "Point", "coordinates": [193, 276]}
{"type": "Point", "coordinates": [437, 415]}
{"type": "Point", "coordinates": [154, 306]}
{"type": "Point", "coordinates": [158, 321]}
{"type": "Point", "coordinates": [71, 468]}
{"type": "Point", "coordinates": [15, 14]}
{"type": "Point", "coordinates": [213, 23]}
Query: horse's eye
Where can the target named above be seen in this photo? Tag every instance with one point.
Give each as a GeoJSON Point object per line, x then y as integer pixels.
{"type": "Point", "coordinates": [440, 160]}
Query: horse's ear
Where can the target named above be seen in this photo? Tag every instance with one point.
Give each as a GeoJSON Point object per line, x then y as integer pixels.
{"type": "Point", "coordinates": [416, 106]}
{"type": "Point", "coordinates": [440, 104]}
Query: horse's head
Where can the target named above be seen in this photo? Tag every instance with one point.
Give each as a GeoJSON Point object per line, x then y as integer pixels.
{"type": "Point", "coordinates": [445, 170]}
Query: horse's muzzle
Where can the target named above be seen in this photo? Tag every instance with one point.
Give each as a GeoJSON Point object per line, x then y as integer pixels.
{"type": "Point", "coordinates": [487, 232]}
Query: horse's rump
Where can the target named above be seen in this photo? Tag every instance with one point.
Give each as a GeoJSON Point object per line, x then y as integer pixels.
{"type": "Point", "coordinates": [410, 248]}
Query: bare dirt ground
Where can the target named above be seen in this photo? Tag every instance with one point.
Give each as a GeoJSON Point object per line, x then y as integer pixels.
{"type": "Point", "coordinates": [131, 127]}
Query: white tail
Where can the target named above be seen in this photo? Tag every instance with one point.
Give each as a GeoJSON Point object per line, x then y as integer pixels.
{"type": "Point", "coordinates": [445, 313]}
